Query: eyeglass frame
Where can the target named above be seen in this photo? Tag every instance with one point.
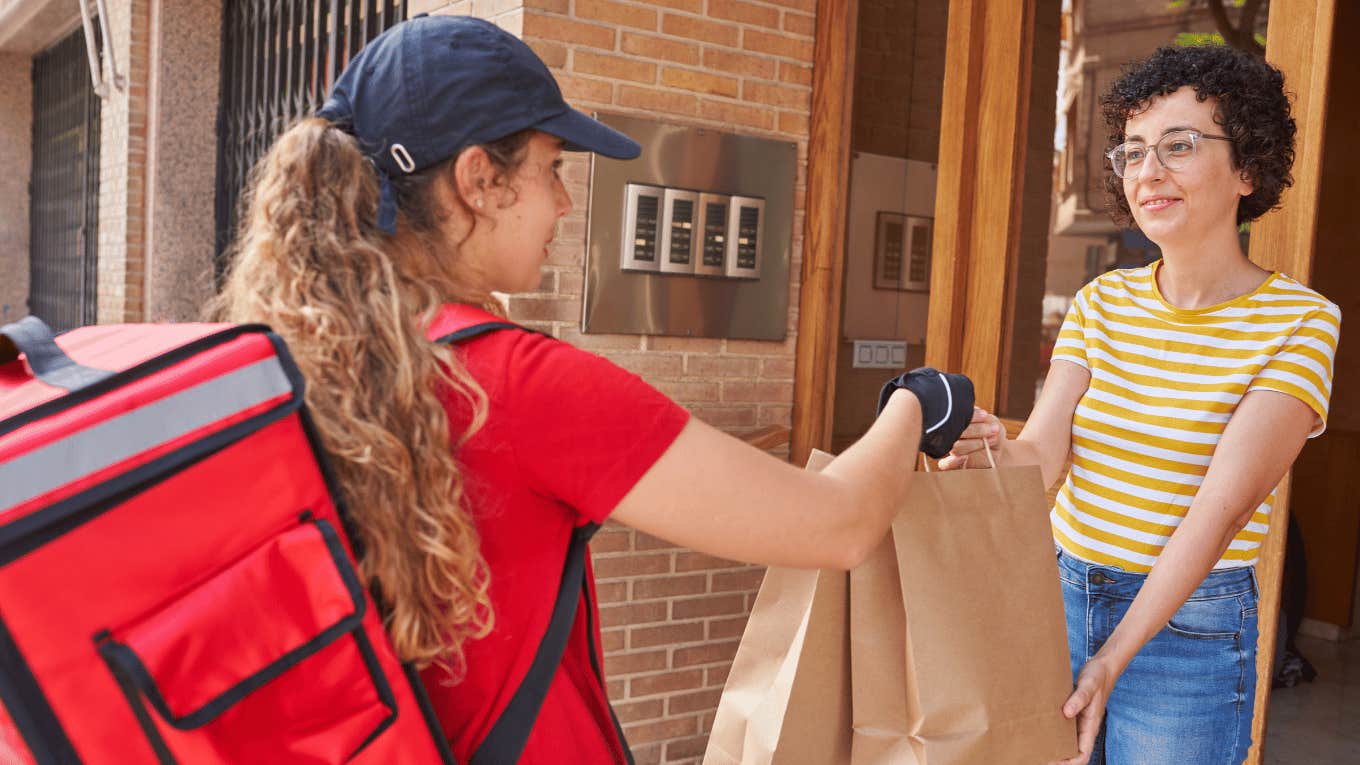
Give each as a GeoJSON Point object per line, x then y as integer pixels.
{"type": "Point", "coordinates": [1195, 137]}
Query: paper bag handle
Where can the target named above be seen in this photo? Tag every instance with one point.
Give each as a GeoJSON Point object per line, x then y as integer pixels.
{"type": "Point", "coordinates": [986, 446]}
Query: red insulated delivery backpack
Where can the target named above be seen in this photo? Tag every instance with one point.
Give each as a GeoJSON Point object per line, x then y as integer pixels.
{"type": "Point", "coordinates": [176, 581]}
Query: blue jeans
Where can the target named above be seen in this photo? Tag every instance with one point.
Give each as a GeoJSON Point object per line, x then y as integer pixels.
{"type": "Point", "coordinates": [1188, 696]}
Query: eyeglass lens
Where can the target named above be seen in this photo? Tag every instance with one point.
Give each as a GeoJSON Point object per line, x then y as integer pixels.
{"type": "Point", "coordinates": [1173, 151]}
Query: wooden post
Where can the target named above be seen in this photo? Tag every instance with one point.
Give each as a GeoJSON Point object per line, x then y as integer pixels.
{"type": "Point", "coordinates": [983, 134]}
{"type": "Point", "coordinates": [1299, 41]}
{"type": "Point", "coordinates": [828, 197]}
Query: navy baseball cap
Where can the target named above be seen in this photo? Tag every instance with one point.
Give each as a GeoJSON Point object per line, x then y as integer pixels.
{"type": "Point", "coordinates": [430, 86]}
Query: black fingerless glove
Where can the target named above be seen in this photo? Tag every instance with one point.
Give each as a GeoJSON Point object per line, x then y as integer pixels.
{"type": "Point", "coordinates": [946, 405]}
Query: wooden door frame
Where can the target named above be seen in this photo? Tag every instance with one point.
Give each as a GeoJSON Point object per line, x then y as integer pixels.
{"type": "Point", "coordinates": [983, 129]}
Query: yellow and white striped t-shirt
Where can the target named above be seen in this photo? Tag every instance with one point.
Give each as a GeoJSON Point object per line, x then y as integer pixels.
{"type": "Point", "coordinates": [1164, 382]}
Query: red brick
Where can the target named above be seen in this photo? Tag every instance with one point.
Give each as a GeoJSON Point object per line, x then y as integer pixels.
{"type": "Point", "coordinates": [649, 754]}
{"type": "Point", "coordinates": [631, 614]}
{"type": "Point", "coordinates": [544, 309]}
{"type": "Point", "coordinates": [806, 6]}
{"type": "Point", "coordinates": [667, 634]}
{"type": "Point", "coordinates": [659, 48]}
{"type": "Point", "coordinates": [762, 347]}
{"type": "Point", "coordinates": [717, 676]}
{"type": "Point", "coordinates": [650, 364]}
{"type": "Point", "coordinates": [699, 701]}
{"type": "Point", "coordinates": [612, 540]}
{"type": "Point", "coordinates": [644, 733]}
{"type": "Point", "coordinates": [800, 23]}
{"type": "Point", "coordinates": [777, 369]}
{"type": "Point", "coordinates": [616, 13]}
{"type": "Point", "coordinates": [693, 6]}
{"type": "Point", "coordinates": [782, 96]}
{"type": "Point", "coordinates": [553, 54]}
{"type": "Point", "coordinates": [736, 114]}
{"type": "Point", "coordinates": [616, 689]}
{"type": "Point", "coordinates": [738, 580]}
{"type": "Point", "coordinates": [649, 685]}
{"type": "Point", "coordinates": [609, 567]}
{"type": "Point", "coordinates": [797, 48]}
{"type": "Point", "coordinates": [682, 748]}
{"type": "Point", "coordinates": [610, 641]}
{"type": "Point", "coordinates": [794, 123]}
{"type": "Point", "coordinates": [746, 13]}
{"type": "Point", "coordinates": [688, 391]}
{"type": "Point", "coordinates": [726, 417]}
{"type": "Point", "coordinates": [740, 390]}
{"type": "Point", "coordinates": [568, 31]}
{"type": "Point", "coordinates": [712, 605]}
{"type": "Point", "coordinates": [618, 67]}
{"type": "Point", "coordinates": [700, 29]}
{"type": "Point", "coordinates": [774, 415]}
{"type": "Point", "coordinates": [584, 89]}
{"type": "Point", "coordinates": [611, 592]}
{"type": "Point", "coordinates": [617, 664]}
{"type": "Point", "coordinates": [739, 63]}
{"type": "Point", "coordinates": [690, 344]}
{"type": "Point", "coordinates": [596, 342]}
{"type": "Point", "coordinates": [696, 561]}
{"type": "Point", "coordinates": [700, 82]}
{"type": "Point", "coordinates": [637, 711]}
{"type": "Point", "coordinates": [658, 100]}
{"type": "Point", "coordinates": [711, 653]}
{"type": "Point", "coordinates": [644, 541]}
{"type": "Point", "coordinates": [669, 586]}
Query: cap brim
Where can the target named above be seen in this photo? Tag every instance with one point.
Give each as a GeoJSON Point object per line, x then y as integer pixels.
{"type": "Point", "coordinates": [581, 133]}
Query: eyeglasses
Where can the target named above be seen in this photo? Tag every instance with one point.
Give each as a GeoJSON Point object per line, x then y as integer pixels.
{"type": "Point", "coordinates": [1174, 151]}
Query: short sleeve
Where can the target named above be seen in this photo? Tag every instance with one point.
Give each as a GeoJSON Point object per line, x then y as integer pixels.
{"type": "Point", "coordinates": [1302, 368]}
{"type": "Point", "coordinates": [1071, 342]}
{"type": "Point", "coordinates": [583, 429]}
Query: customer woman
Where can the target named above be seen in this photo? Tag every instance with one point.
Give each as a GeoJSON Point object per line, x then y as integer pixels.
{"type": "Point", "coordinates": [1182, 392]}
{"type": "Point", "coordinates": [428, 182]}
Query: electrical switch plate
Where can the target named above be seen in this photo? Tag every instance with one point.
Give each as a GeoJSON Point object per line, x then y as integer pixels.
{"type": "Point", "coordinates": [745, 234]}
{"type": "Point", "coordinates": [880, 354]}
{"type": "Point", "coordinates": [641, 226]}
{"type": "Point", "coordinates": [712, 222]}
{"type": "Point", "coordinates": [679, 234]}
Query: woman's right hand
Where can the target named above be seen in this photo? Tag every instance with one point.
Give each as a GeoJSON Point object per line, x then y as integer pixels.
{"type": "Point", "coordinates": [968, 449]}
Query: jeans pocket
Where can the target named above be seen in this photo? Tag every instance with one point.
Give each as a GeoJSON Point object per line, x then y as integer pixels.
{"type": "Point", "coordinates": [1209, 619]}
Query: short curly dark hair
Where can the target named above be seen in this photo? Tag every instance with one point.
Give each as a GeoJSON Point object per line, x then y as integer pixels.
{"type": "Point", "coordinates": [1252, 108]}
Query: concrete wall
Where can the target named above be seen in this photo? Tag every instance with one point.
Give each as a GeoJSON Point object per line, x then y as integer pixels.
{"type": "Point", "coordinates": [16, 156]}
{"type": "Point", "coordinates": [181, 161]}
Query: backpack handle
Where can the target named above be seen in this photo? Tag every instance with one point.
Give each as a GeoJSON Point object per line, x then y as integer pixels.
{"type": "Point", "coordinates": [34, 339]}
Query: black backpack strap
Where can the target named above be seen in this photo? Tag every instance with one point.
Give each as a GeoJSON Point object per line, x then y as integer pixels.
{"type": "Point", "coordinates": [504, 744]}
{"type": "Point", "coordinates": [32, 337]}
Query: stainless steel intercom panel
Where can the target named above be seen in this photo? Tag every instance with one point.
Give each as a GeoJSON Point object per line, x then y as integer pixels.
{"type": "Point", "coordinates": [713, 235]}
{"type": "Point", "coordinates": [745, 220]}
{"type": "Point", "coordinates": [641, 226]}
{"type": "Point", "coordinates": [679, 209]}
{"type": "Point", "coordinates": [712, 258]}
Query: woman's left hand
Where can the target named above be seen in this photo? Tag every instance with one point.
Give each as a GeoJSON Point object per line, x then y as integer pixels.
{"type": "Point", "coordinates": [1087, 703]}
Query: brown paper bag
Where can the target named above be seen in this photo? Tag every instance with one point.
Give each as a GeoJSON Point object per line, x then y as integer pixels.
{"type": "Point", "coordinates": [787, 698]}
{"type": "Point", "coordinates": [959, 650]}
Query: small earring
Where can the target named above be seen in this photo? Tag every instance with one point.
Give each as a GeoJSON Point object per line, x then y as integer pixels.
{"type": "Point", "coordinates": [480, 203]}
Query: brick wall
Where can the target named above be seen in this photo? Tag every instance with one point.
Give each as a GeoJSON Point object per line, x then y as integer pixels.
{"type": "Point", "coordinates": [122, 168]}
{"type": "Point", "coordinates": [899, 78]}
{"type": "Point", "coordinates": [16, 156]}
{"type": "Point", "coordinates": [671, 617]}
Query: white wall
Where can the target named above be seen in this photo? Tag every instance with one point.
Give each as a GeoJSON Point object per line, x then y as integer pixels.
{"type": "Point", "coordinates": [879, 183]}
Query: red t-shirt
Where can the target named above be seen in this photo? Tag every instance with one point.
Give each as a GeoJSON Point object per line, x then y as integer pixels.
{"type": "Point", "coordinates": [567, 435]}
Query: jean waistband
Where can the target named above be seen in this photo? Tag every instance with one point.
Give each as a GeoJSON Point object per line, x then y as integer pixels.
{"type": "Point", "coordinates": [1115, 581]}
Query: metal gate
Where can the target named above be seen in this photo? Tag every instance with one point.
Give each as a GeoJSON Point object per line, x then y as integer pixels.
{"type": "Point", "coordinates": [279, 58]}
{"type": "Point", "coordinates": [64, 190]}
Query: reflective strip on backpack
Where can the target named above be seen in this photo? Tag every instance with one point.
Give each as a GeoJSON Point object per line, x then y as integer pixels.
{"type": "Point", "coordinates": [127, 435]}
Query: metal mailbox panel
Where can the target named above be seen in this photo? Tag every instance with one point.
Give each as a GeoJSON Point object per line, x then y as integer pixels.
{"type": "Point", "coordinates": [661, 303]}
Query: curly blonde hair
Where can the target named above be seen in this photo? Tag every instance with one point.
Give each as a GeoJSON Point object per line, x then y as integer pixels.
{"type": "Point", "coordinates": [353, 305]}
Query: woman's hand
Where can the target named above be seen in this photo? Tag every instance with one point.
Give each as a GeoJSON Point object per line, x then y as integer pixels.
{"type": "Point", "coordinates": [1087, 703]}
{"type": "Point", "coordinates": [968, 449]}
